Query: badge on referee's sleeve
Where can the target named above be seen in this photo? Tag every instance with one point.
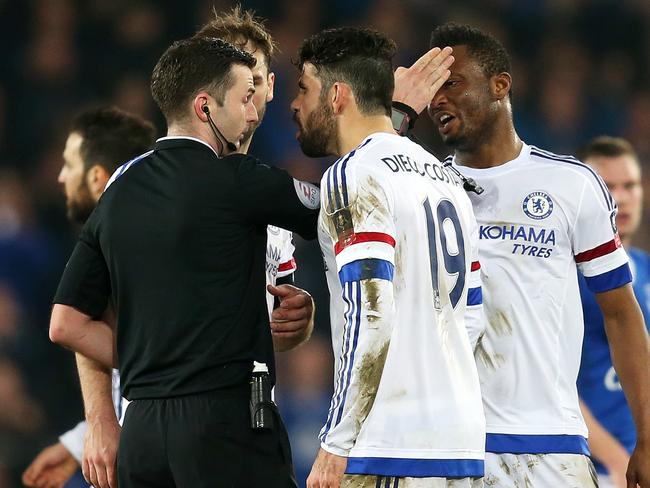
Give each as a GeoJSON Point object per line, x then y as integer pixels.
{"type": "Point", "coordinates": [308, 194]}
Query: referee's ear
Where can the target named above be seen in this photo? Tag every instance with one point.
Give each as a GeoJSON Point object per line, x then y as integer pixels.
{"type": "Point", "coordinates": [96, 178]}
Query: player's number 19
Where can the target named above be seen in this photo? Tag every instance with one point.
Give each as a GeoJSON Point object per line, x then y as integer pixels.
{"type": "Point", "coordinates": [454, 259]}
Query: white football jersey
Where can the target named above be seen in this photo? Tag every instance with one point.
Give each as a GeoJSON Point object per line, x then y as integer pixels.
{"type": "Point", "coordinates": [540, 217]}
{"type": "Point", "coordinates": [279, 258]}
{"type": "Point", "coordinates": [399, 240]}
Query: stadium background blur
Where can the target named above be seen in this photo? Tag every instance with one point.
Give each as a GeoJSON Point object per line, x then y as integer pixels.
{"type": "Point", "coordinates": [580, 69]}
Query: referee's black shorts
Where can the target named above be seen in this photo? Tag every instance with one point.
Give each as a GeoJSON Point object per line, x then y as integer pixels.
{"type": "Point", "coordinates": [201, 441]}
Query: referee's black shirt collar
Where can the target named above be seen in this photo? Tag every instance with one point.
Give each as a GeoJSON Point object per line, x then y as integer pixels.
{"type": "Point", "coordinates": [182, 141]}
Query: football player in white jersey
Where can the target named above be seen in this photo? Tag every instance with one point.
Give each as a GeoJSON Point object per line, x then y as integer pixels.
{"type": "Point", "coordinates": [399, 240]}
{"type": "Point", "coordinates": [541, 216]}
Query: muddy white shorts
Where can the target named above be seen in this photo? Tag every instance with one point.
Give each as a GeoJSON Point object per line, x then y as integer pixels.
{"type": "Point", "coordinates": [539, 471]}
{"type": "Point", "coordinates": [370, 481]}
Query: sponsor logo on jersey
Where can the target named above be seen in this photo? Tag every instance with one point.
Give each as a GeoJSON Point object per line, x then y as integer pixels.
{"type": "Point", "coordinates": [532, 241]}
{"type": "Point", "coordinates": [538, 205]}
{"type": "Point", "coordinates": [273, 256]}
{"type": "Point", "coordinates": [612, 220]}
{"type": "Point", "coordinates": [308, 194]}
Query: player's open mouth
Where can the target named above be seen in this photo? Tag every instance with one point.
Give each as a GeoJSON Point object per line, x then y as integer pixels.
{"type": "Point", "coordinates": [444, 119]}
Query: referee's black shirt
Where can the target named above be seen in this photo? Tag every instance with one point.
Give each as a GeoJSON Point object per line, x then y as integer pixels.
{"type": "Point", "coordinates": [178, 241]}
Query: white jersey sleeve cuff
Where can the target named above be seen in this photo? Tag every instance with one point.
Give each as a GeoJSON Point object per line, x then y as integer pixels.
{"type": "Point", "coordinates": [334, 450]}
{"type": "Point", "coordinates": [73, 441]}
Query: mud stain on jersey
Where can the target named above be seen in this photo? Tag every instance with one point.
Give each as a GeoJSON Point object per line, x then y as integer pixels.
{"type": "Point", "coordinates": [370, 292]}
{"type": "Point", "coordinates": [500, 323]}
{"type": "Point", "coordinates": [368, 203]}
{"type": "Point", "coordinates": [491, 361]}
{"type": "Point", "coordinates": [370, 371]}
{"type": "Point", "coordinates": [366, 211]}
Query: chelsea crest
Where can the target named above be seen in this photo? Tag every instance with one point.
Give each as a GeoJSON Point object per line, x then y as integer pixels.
{"type": "Point", "coordinates": [538, 205]}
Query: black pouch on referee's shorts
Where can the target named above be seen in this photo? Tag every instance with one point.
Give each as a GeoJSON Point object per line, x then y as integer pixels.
{"type": "Point", "coordinates": [261, 405]}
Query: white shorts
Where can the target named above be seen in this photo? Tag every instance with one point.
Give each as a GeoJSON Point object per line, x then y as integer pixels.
{"type": "Point", "coordinates": [539, 471]}
{"type": "Point", "coordinates": [371, 481]}
{"type": "Point", "coordinates": [605, 481]}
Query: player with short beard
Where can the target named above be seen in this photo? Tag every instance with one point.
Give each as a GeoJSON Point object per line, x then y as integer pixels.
{"type": "Point", "coordinates": [399, 241]}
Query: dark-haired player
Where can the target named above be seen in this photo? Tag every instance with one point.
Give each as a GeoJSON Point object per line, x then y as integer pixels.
{"type": "Point", "coordinates": [400, 245]}
{"type": "Point", "coordinates": [541, 216]}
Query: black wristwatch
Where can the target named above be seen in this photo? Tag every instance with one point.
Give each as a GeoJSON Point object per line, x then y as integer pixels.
{"type": "Point", "coordinates": [403, 118]}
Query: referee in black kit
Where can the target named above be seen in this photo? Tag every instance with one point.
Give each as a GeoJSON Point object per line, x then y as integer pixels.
{"type": "Point", "coordinates": [177, 243]}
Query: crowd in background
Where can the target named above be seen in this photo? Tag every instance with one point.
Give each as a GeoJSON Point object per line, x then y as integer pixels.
{"type": "Point", "coordinates": [580, 69]}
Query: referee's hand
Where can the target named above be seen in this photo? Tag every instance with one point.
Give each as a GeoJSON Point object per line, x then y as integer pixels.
{"type": "Point", "coordinates": [100, 453]}
{"type": "Point", "coordinates": [293, 321]}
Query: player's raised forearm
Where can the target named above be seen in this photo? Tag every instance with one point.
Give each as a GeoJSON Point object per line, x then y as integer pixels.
{"type": "Point", "coordinates": [630, 350]}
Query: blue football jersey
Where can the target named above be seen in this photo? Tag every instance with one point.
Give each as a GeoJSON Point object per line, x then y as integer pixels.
{"type": "Point", "coordinates": [598, 384]}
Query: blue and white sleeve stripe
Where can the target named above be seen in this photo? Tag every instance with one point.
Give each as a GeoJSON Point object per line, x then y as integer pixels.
{"type": "Point", "coordinates": [366, 269]}
{"type": "Point", "coordinates": [352, 297]}
{"type": "Point", "coordinates": [474, 296]}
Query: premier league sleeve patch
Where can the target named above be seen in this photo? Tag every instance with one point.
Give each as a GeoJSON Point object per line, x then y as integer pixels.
{"type": "Point", "coordinates": [538, 205]}
{"type": "Point", "coordinates": [308, 194]}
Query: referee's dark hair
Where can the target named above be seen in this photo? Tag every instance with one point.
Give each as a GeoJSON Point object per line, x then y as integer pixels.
{"type": "Point", "coordinates": [362, 58]}
{"type": "Point", "coordinates": [483, 47]}
{"type": "Point", "coordinates": [190, 66]}
{"type": "Point", "coordinates": [110, 137]}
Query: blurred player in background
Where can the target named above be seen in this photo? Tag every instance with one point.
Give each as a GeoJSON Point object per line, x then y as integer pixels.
{"type": "Point", "coordinates": [99, 141]}
{"type": "Point", "coordinates": [612, 435]}
{"type": "Point", "coordinates": [540, 217]}
{"type": "Point", "coordinates": [400, 245]}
